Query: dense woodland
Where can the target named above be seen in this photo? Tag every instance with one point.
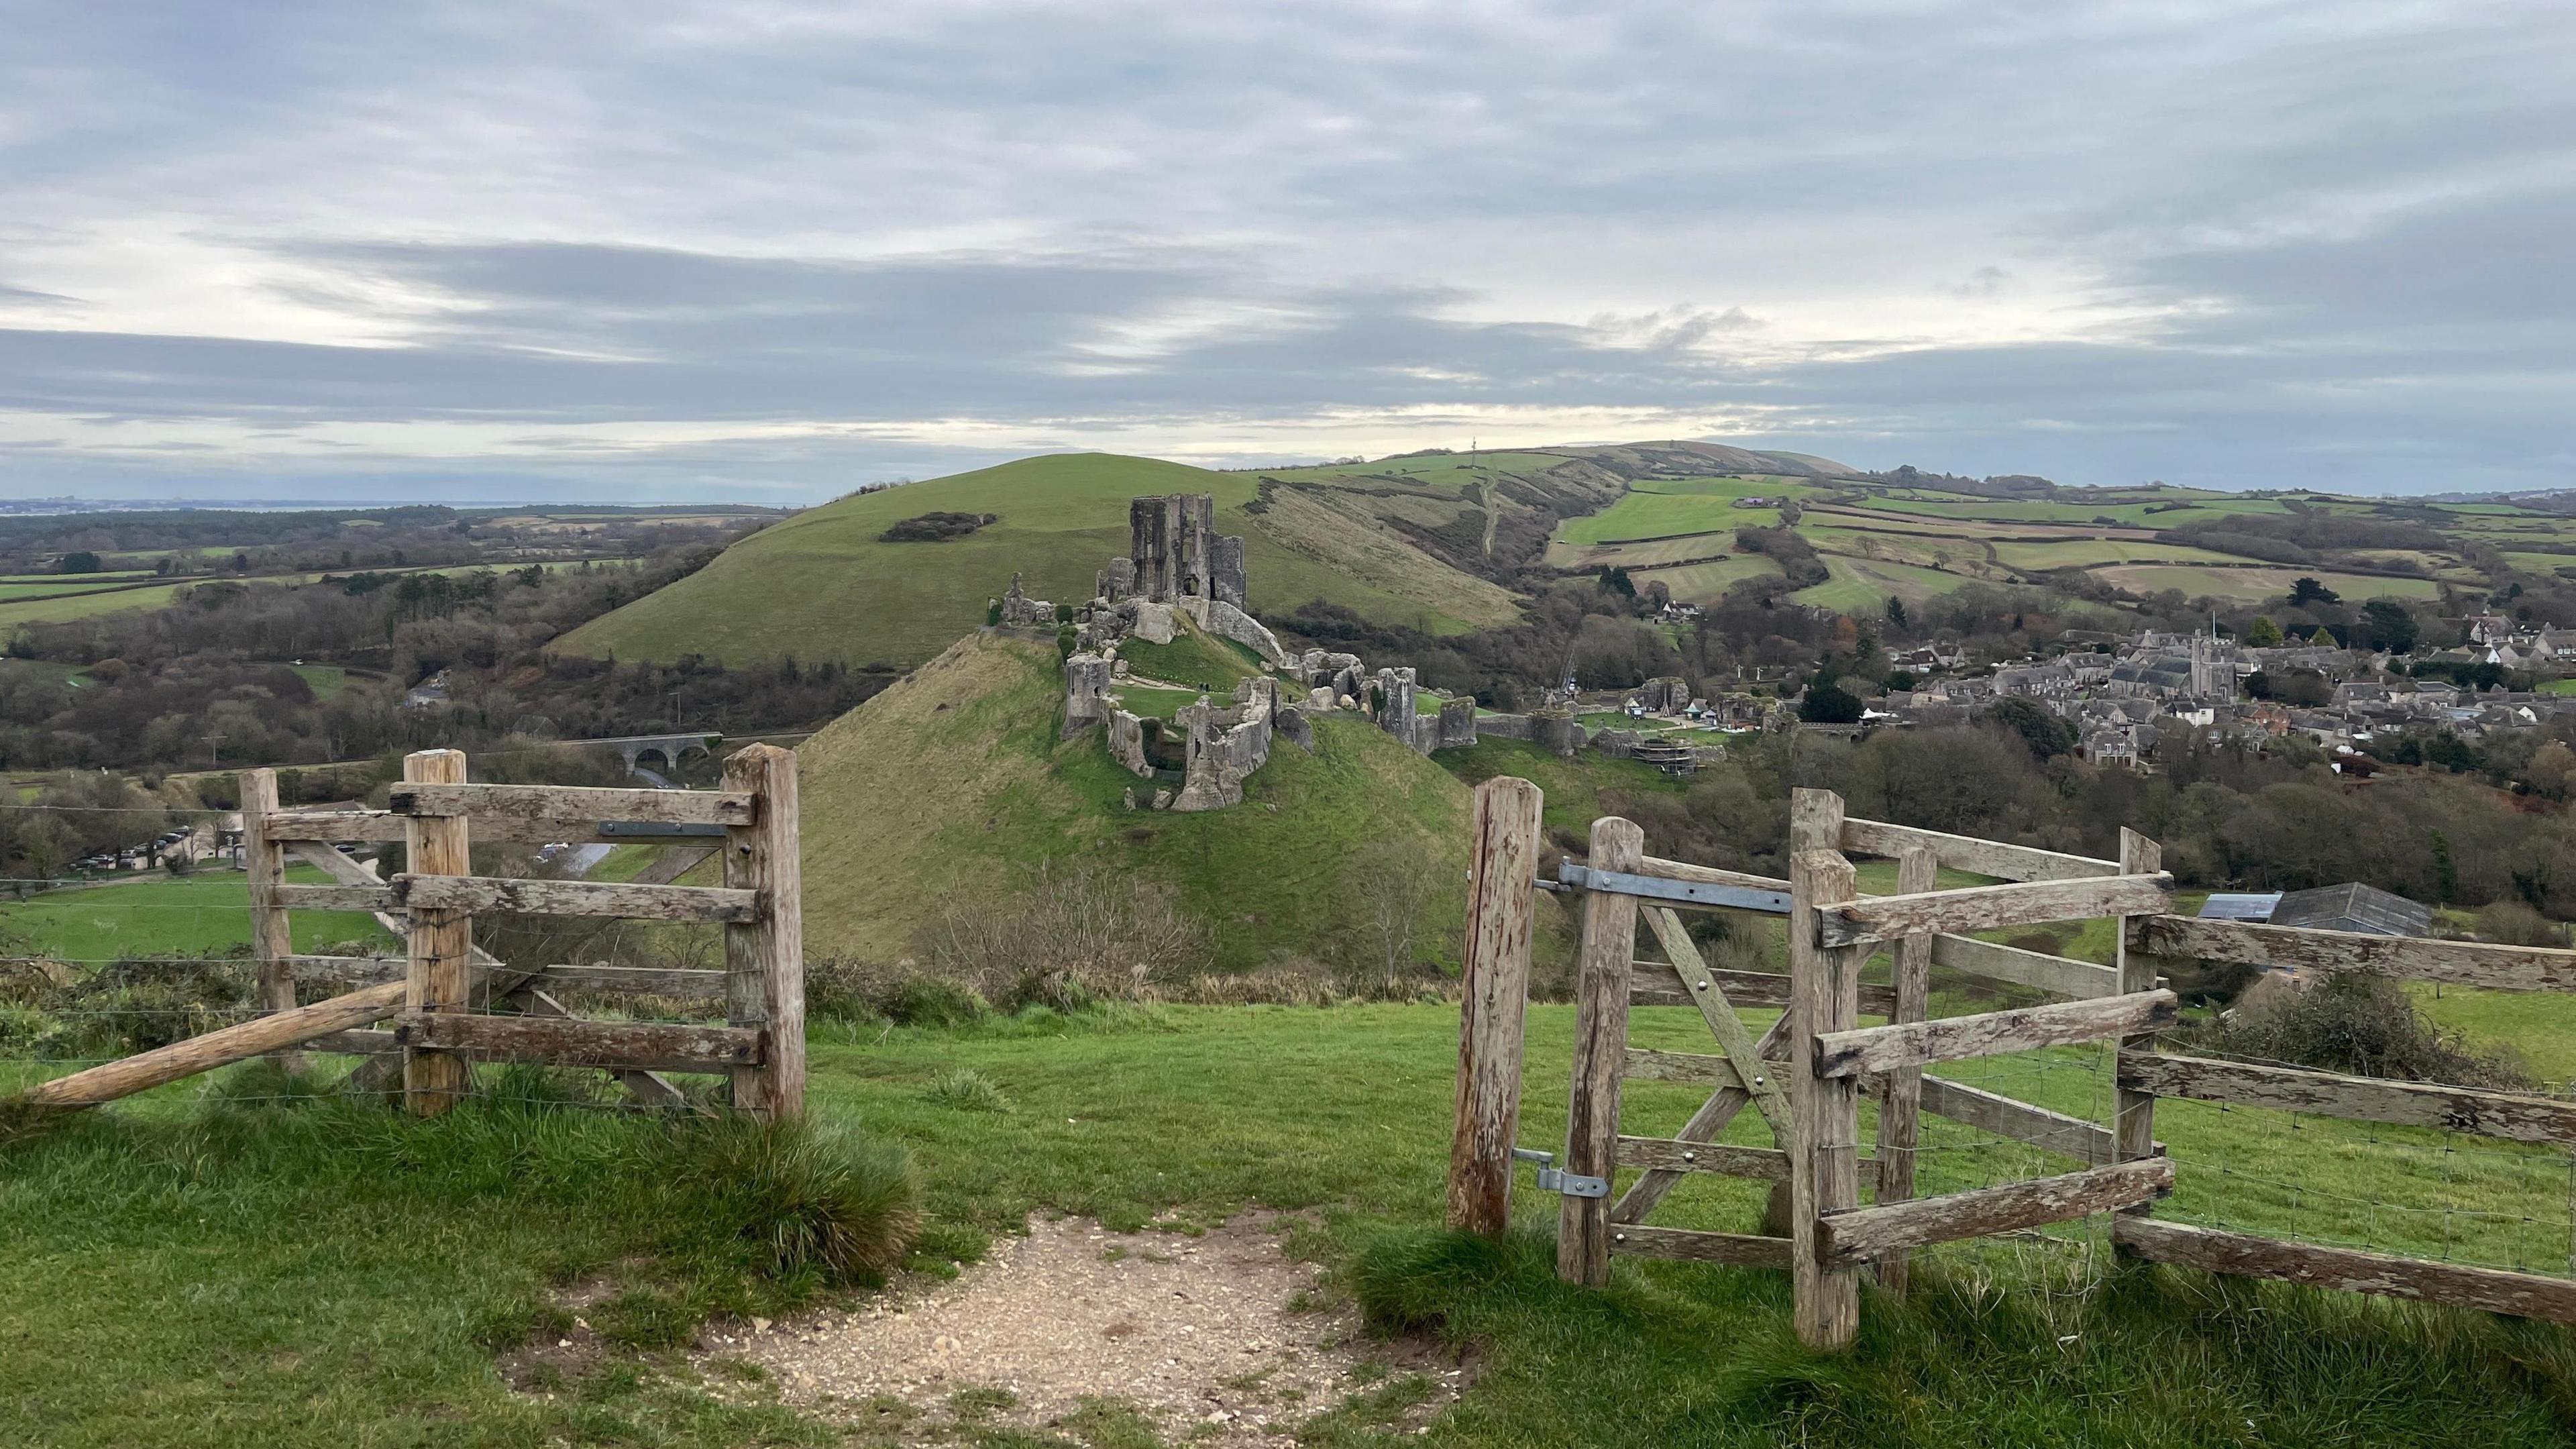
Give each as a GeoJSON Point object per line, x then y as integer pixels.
{"type": "Point", "coordinates": [207, 683]}
{"type": "Point", "coordinates": [199, 541]}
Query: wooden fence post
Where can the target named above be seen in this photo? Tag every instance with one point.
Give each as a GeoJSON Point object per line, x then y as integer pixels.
{"type": "Point", "coordinates": [2133, 1122]}
{"type": "Point", "coordinates": [1900, 1122]}
{"type": "Point", "coordinates": [765, 957]}
{"type": "Point", "coordinates": [1824, 995]}
{"type": "Point", "coordinates": [440, 941]}
{"type": "Point", "coordinates": [271, 942]}
{"type": "Point", "coordinates": [1493, 1002]}
{"type": "Point", "coordinates": [1600, 1051]}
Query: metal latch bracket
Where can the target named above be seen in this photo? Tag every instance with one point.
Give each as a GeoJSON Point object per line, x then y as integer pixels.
{"type": "Point", "coordinates": [1572, 1184]}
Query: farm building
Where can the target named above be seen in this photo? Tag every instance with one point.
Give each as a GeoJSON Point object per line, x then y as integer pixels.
{"type": "Point", "coordinates": [2351, 906]}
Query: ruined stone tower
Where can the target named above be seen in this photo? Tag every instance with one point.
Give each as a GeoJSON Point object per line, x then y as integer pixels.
{"type": "Point", "coordinates": [1177, 554]}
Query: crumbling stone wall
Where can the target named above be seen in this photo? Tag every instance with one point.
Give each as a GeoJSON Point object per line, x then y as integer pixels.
{"type": "Point", "coordinates": [1127, 744]}
{"type": "Point", "coordinates": [1115, 581]}
{"type": "Point", "coordinates": [1561, 734]}
{"type": "Point", "coordinates": [1456, 727]}
{"type": "Point", "coordinates": [1175, 553]}
{"type": "Point", "coordinates": [1019, 611]}
{"type": "Point", "coordinates": [1086, 693]}
{"type": "Point", "coordinates": [1226, 744]}
{"type": "Point", "coordinates": [1395, 702]}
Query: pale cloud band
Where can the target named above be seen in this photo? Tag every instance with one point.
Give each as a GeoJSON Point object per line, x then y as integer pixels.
{"type": "Point", "coordinates": [777, 251]}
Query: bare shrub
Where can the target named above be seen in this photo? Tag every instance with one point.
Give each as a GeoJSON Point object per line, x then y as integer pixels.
{"type": "Point", "coordinates": [2352, 1021]}
{"type": "Point", "coordinates": [1076, 936]}
{"type": "Point", "coordinates": [2512, 923]}
{"type": "Point", "coordinates": [1304, 981]}
{"type": "Point", "coordinates": [1393, 885]}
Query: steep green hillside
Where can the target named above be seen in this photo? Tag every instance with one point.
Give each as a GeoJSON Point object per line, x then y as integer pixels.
{"type": "Point", "coordinates": [822, 586]}
{"type": "Point", "coordinates": [951, 788]}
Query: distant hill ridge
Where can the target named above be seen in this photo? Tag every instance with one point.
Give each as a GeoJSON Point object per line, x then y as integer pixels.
{"type": "Point", "coordinates": [1441, 542]}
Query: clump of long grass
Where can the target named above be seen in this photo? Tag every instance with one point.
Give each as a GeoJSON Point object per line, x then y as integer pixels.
{"type": "Point", "coordinates": [967, 1090]}
{"type": "Point", "coordinates": [790, 1198]}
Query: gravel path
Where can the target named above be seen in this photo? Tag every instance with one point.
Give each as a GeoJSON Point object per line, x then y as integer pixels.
{"type": "Point", "coordinates": [1194, 1332]}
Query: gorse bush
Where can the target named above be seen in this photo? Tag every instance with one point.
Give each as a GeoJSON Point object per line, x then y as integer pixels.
{"type": "Point", "coordinates": [2351, 1021]}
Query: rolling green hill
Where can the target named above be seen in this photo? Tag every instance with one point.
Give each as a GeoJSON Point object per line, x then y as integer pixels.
{"type": "Point", "coordinates": [951, 787]}
{"type": "Point", "coordinates": [822, 586]}
{"type": "Point", "coordinates": [1445, 542]}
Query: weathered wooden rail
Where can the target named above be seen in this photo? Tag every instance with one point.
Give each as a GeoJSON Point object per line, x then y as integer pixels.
{"type": "Point", "coordinates": [450, 1004]}
{"type": "Point", "coordinates": [1807, 1074]}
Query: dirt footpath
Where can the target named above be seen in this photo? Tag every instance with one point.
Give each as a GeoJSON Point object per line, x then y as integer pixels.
{"type": "Point", "coordinates": [1197, 1333]}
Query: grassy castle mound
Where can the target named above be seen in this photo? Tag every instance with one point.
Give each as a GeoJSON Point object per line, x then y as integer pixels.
{"type": "Point", "coordinates": [951, 790]}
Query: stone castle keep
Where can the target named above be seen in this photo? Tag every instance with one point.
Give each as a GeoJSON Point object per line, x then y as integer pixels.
{"type": "Point", "coordinates": [1177, 564]}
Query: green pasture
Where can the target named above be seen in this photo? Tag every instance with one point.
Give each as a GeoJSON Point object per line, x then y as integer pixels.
{"type": "Point", "coordinates": [325, 679]}
{"type": "Point", "coordinates": [183, 1272]}
{"type": "Point", "coordinates": [1654, 508]}
{"type": "Point", "coordinates": [16, 592]}
{"type": "Point", "coordinates": [1702, 583]}
{"type": "Point", "coordinates": [205, 912]}
{"type": "Point", "coordinates": [1863, 586]}
{"type": "Point", "coordinates": [2085, 553]}
{"type": "Point", "coordinates": [2255, 585]}
{"type": "Point", "coordinates": [86, 606]}
{"type": "Point", "coordinates": [1656, 552]}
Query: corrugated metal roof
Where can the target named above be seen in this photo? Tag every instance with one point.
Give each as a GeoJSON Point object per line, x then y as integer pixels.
{"type": "Point", "coordinates": [2240, 907]}
{"type": "Point", "coordinates": [2353, 906]}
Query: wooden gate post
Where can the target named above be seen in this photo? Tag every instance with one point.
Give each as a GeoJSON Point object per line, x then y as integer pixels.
{"type": "Point", "coordinates": [272, 944]}
{"type": "Point", "coordinates": [765, 957]}
{"type": "Point", "coordinates": [1900, 1121]}
{"type": "Point", "coordinates": [1493, 1003]}
{"type": "Point", "coordinates": [2133, 1122]}
{"type": "Point", "coordinates": [1824, 995]}
{"type": "Point", "coordinates": [440, 940]}
{"type": "Point", "coordinates": [1600, 1051]}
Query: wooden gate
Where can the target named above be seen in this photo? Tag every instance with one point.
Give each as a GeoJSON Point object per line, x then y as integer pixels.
{"type": "Point", "coordinates": [452, 1004]}
{"type": "Point", "coordinates": [1805, 1075]}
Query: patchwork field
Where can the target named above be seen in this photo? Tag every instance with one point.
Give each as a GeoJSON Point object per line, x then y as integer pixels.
{"type": "Point", "coordinates": [2254, 584]}
{"type": "Point", "coordinates": [1660, 507]}
{"type": "Point", "coordinates": [1702, 583]}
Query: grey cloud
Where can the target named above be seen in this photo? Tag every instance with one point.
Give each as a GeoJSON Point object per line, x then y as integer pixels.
{"type": "Point", "coordinates": [2343, 224]}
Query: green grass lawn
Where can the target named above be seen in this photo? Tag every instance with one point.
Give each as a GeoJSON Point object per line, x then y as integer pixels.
{"type": "Point", "coordinates": [326, 679]}
{"type": "Point", "coordinates": [208, 911]}
{"type": "Point", "coordinates": [173, 1280]}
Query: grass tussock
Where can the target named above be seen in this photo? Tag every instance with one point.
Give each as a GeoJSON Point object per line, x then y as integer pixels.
{"type": "Point", "coordinates": [967, 1090]}
{"type": "Point", "coordinates": [2079, 1354]}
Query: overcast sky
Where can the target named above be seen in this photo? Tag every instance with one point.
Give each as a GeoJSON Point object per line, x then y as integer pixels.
{"type": "Point", "coordinates": [771, 251]}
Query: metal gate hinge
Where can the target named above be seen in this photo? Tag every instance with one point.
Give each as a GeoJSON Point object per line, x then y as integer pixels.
{"type": "Point", "coordinates": [1572, 1184]}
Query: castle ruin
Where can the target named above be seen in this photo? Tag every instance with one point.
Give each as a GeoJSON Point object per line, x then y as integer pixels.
{"type": "Point", "coordinates": [1177, 564]}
